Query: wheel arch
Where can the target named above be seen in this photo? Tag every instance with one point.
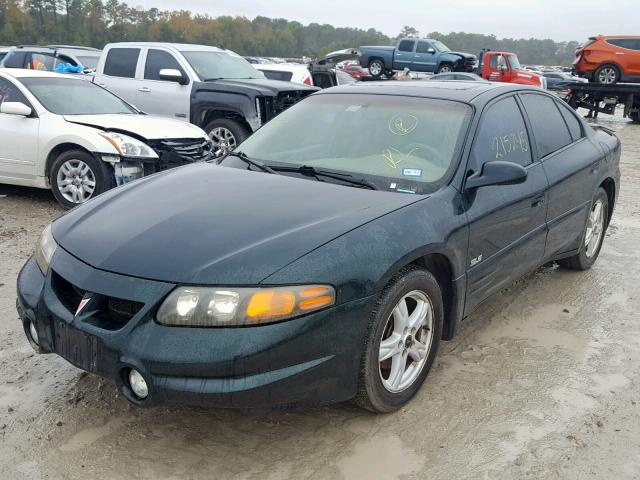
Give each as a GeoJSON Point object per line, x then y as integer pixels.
{"type": "Point", "coordinates": [58, 150]}
{"type": "Point", "coordinates": [441, 266]}
{"type": "Point", "coordinates": [212, 114]}
{"type": "Point", "coordinates": [609, 186]}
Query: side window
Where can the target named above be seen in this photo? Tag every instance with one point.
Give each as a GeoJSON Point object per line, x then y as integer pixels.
{"type": "Point", "coordinates": [158, 60]}
{"type": "Point", "coordinates": [629, 43]}
{"type": "Point", "coordinates": [406, 46]}
{"type": "Point", "coordinates": [575, 127]}
{"type": "Point", "coordinates": [41, 61]}
{"type": "Point", "coordinates": [636, 44]}
{"type": "Point", "coordinates": [493, 62]}
{"type": "Point", "coordinates": [549, 128]}
{"type": "Point", "coordinates": [10, 93]}
{"type": "Point", "coordinates": [502, 135]}
{"type": "Point", "coordinates": [122, 62]}
{"type": "Point", "coordinates": [423, 47]}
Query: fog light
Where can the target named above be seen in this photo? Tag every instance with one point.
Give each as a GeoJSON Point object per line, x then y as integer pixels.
{"type": "Point", "coordinates": [34, 333]}
{"type": "Point", "coordinates": [138, 384]}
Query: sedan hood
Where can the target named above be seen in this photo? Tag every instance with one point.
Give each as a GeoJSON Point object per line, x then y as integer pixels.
{"type": "Point", "coordinates": [145, 126]}
{"type": "Point", "coordinates": [208, 224]}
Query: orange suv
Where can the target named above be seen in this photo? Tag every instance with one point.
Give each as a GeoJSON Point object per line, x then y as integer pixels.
{"type": "Point", "coordinates": [609, 59]}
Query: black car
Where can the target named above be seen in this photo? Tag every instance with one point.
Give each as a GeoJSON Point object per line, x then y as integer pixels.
{"type": "Point", "coordinates": [49, 57]}
{"type": "Point", "coordinates": [326, 259]}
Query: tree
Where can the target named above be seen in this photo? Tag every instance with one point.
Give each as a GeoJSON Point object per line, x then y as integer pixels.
{"type": "Point", "coordinates": [408, 31]}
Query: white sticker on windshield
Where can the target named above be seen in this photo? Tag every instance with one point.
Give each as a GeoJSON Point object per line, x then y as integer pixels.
{"type": "Point", "coordinates": [353, 108]}
{"type": "Point", "coordinates": [412, 172]}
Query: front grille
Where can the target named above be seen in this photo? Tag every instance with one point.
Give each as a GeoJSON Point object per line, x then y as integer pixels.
{"type": "Point", "coordinates": [193, 150]}
{"type": "Point", "coordinates": [108, 313]}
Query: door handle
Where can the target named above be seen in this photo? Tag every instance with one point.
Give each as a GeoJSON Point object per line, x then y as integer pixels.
{"type": "Point", "coordinates": [144, 89]}
{"type": "Point", "coordinates": [538, 201]}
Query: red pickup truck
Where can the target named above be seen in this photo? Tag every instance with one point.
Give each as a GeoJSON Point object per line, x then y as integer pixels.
{"type": "Point", "coordinates": [505, 67]}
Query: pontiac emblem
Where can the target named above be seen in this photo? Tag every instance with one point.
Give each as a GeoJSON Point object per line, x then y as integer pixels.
{"type": "Point", "coordinates": [81, 305]}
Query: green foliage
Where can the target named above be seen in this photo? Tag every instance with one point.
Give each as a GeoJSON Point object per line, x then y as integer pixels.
{"type": "Point", "coordinates": [95, 23]}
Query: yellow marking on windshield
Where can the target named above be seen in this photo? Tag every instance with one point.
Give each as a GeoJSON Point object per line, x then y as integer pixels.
{"type": "Point", "coordinates": [403, 124]}
{"type": "Point", "coordinates": [393, 156]}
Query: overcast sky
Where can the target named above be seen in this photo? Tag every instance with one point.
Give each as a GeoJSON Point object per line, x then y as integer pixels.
{"type": "Point", "coordinates": [556, 19]}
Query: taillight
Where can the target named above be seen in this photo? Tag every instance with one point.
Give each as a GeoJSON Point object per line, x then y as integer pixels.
{"type": "Point", "coordinates": [307, 81]}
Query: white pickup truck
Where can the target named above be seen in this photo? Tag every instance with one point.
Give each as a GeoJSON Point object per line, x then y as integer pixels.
{"type": "Point", "coordinates": [213, 88]}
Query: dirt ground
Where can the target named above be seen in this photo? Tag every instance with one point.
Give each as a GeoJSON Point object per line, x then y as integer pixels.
{"type": "Point", "coordinates": [543, 382]}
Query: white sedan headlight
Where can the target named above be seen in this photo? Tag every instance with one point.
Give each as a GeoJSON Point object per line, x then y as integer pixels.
{"type": "Point", "coordinates": [128, 146]}
{"type": "Point", "coordinates": [45, 249]}
{"type": "Point", "coordinates": [222, 307]}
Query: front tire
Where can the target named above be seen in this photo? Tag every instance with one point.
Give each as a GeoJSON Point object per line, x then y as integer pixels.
{"type": "Point", "coordinates": [593, 236]}
{"type": "Point", "coordinates": [376, 68]}
{"type": "Point", "coordinates": [445, 68]}
{"type": "Point", "coordinates": [402, 341]}
{"type": "Point", "coordinates": [607, 74]}
{"type": "Point", "coordinates": [77, 176]}
{"type": "Point", "coordinates": [226, 134]}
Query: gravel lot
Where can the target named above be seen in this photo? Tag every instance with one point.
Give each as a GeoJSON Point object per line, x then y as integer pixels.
{"type": "Point", "coordinates": [542, 382]}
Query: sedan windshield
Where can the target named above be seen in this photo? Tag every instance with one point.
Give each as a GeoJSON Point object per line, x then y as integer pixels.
{"type": "Point", "coordinates": [69, 96]}
{"type": "Point", "coordinates": [212, 65]}
{"type": "Point", "coordinates": [398, 143]}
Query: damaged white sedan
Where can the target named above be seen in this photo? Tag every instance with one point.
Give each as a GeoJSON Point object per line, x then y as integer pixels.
{"type": "Point", "coordinates": [67, 134]}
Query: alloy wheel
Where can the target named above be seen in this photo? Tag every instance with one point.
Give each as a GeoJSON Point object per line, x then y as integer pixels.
{"type": "Point", "coordinates": [375, 69]}
{"type": "Point", "coordinates": [607, 75]}
{"type": "Point", "coordinates": [76, 181]}
{"type": "Point", "coordinates": [406, 342]}
{"type": "Point", "coordinates": [595, 229]}
{"type": "Point", "coordinates": [444, 69]}
{"type": "Point", "coordinates": [223, 140]}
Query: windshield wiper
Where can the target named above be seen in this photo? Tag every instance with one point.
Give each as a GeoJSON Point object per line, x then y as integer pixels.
{"type": "Point", "coordinates": [249, 161]}
{"type": "Point", "coordinates": [309, 171]}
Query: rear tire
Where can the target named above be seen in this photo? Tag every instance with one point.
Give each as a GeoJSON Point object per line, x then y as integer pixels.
{"type": "Point", "coordinates": [590, 245]}
{"type": "Point", "coordinates": [376, 68]}
{"type": "Point", "coordinates": [607, 74]}
{"type": "Point", "coordinates": [635, 116]}
{"type": "Point", "coordinates": [76, 176]}
{"type": "Point", "coordinates": [411, 337]}
{"type": "Point", "coordinates": [226, 135]}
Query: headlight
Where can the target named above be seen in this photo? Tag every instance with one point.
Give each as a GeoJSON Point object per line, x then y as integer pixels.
{"type": "Point", "coordinates": [45, 249]}
{"type": "Point", "coordinates": [129, 146]}
{"type": "Point", "coordinates": [220, 307]}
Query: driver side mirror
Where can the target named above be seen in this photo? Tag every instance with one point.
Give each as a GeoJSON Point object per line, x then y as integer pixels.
{"type": "Point", "coordinates": [15, 108]}
{"type": "Point", "coordinates": [497, 173]}
{"type": "Point", "coordinates": [172, 75]}
{"type": "Point", "coordinates": [431, 50]}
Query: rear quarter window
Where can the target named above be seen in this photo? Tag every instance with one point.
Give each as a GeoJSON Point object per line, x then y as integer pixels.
{"type": "Point", "coordinates": [549, 128]}
{"type": "Point", "coordinates": [574, 124]}
{"type": "Point", "coordinates": [122, 62]}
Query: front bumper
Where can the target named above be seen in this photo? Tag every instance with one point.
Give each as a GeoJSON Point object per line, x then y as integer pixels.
{"type": "Point", "coordinates": [312, 360]}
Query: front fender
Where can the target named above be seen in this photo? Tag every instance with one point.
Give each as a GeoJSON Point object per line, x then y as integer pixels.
{"type": "Point", "coordinates": [360, 262]}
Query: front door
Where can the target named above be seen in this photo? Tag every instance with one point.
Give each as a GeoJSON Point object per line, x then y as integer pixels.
{"type": "Point", "coordinates": [425, 57]}
{"type": "Point", "coordinates": [162, 97]}
{"type": "Point", "coordinates": [18, 138]}
{"type": "Point", "coordinates": [507, 223]}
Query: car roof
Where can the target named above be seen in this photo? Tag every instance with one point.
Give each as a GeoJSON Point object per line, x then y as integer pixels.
{"type": "Point", "coordinates": [182, 47]}
{"type": "Point", "coordinates": [23, 73]}
{"type": "Point", "coordinates": [457, 90]}
{"type": "Point", "coordinates": [607, 37]}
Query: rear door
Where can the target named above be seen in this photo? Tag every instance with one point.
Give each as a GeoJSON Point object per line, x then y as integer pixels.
{"type": "Point", "coordinates": [571, 163]}
{"type": "Point", "coordinates": [18, 137]}
{"type": "Point", "coordinates": [507, 223]}
{"type": "Point", "coordinates": [403, 55]}
{"type": "Point", "coordinates": [162, 97]}
{"type": "Point", "coordinates": [119, 73]}
{"type": "Point", "coordinates": [425, 57]}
